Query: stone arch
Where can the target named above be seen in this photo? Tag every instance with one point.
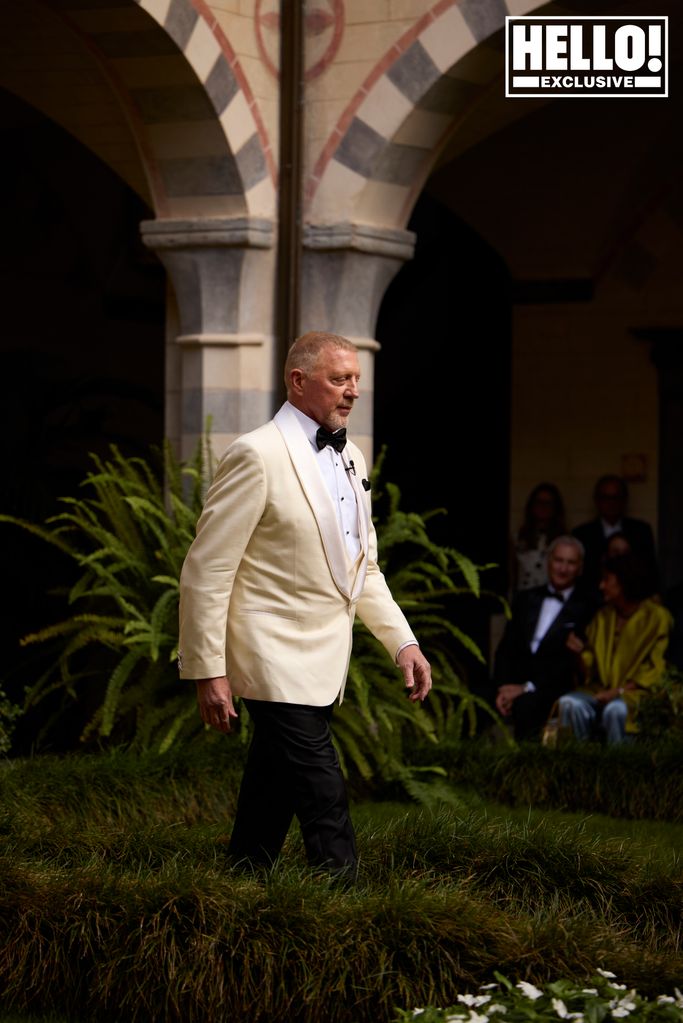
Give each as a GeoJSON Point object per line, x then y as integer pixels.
{"type": "Point", "coordinates": [390, 135]}
{"type": "Point", "coordinates": [193, 27]}
{"type": "Point", "coordinates": [154, 88]}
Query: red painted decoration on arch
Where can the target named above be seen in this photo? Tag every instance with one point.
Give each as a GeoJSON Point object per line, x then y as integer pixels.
{"type": "Point", "coordinates": [323, 30]}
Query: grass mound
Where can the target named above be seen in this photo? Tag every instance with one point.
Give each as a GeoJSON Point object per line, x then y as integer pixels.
{"type": "Point", "coordinates": [635, 781]}
{"type": "Point", "coordinates": [117, 903]}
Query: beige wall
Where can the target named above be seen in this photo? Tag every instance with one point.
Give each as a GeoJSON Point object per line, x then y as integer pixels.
{"type": "Point", "coordinates": [584, 396]}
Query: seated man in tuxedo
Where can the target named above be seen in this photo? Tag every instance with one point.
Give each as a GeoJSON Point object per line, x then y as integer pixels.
{"type": "Point", "coordinates": [533, 665]}
{"type": "Point", "coordinates": [611, 500]}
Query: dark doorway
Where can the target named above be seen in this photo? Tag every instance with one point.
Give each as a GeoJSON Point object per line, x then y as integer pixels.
{"type": "Point", "coordinates": [83, 309]}
{"type": "Point", "coordinates": [442, 390]}
{"type": "Point", "coordinates": [442, 382]}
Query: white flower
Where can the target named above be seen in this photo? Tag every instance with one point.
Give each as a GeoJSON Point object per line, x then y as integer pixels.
{"type": "Point", "coordinates": [589, 991]}
{"type": "Point", "coordinates": [665, 999]}
{"type": "Point", "coordinates": [606, 973]}
{"type": "Point", "coordinates": [679, 997]}
{"type": "Point", "coordinates": [487, 987]}
{"type": "Point", "coordinates": [476, 1017]}
{"type": "Point", "coordinates": [455, 1018]}
{"type": "Point", "coordinates": [618, 987]}
{"type": "Point", "coordinates": [560, 1008]}
{"type": "Point", "coordinates": [418, 1012]}
{"type": "Point", "coordinates": [475, 1000]}
{"type": "Point", "coordinates": [497, 1008]}
{"type": "Point", "coordinates": [619, 1012]}
{"type": "Point", "coordinates": [529, 990]}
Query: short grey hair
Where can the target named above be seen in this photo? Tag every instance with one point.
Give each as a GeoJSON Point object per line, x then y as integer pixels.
{"type": "Point", "coordinates": [305, 351]}
{"type": "Point", "coordinates": [568, 541]}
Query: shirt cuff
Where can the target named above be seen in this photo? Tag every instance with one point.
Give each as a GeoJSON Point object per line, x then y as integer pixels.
{"type": "Point", "coordinates": [411, 642]}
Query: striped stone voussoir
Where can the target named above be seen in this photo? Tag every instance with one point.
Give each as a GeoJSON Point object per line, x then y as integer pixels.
{"type": "Point", "coordinates": [388, 137]}
{"type": "Point", "coordinates": [248, 167]}
{"type": "Point", "coordinates": [200, 123]}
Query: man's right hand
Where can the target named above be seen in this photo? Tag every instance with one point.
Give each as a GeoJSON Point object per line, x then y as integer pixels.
{"type": "Point", "coordinates": [575, 643]}
{"type": "Point", "coordinates": [214, 697]}
{"type": "Point", "coordinates": [506, 696]}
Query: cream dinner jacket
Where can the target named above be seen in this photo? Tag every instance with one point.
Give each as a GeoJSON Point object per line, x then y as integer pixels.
{"type": "Point", "coordinates": [267, 593]}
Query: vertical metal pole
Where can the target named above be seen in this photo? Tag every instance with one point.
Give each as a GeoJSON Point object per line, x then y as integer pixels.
{"type": "Point", "coordinates": [290, 227]}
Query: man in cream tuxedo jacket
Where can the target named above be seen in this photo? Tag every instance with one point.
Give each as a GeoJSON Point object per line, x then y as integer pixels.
{"type": "Point", "coordinates": [284, 558]}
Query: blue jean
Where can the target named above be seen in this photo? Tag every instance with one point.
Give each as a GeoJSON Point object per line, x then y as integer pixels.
{"type": "Point", "coordinates": [579, 712]}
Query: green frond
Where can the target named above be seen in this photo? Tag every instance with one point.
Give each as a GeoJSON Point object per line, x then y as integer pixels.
{"type": "Point", "coordinates": [346, 740]}
{"type": "Point", "coordinates": [43, 534]}
{"type": "Point", "coordinates": [117, 680]}
{"type": "Point", "coordinates": [167, 580]}
{"type": "Point", "coordinates": [176, 726]}
{"type": "Point", "coordinates": [468, 569]}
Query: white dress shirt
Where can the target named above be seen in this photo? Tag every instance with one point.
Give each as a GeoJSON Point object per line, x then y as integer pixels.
{"type": "Point", "coordinates": [550, 609]}
{"type": "Point", "coordinates": [610, 528]}
{"type": "Point", "coordinates": [334, 468]}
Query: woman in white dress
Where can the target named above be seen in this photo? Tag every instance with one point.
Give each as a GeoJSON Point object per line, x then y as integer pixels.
{"type": "Point", "coordinates": [544, 520]}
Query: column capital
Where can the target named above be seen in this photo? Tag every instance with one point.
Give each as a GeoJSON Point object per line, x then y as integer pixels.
{"type": "Point", "coordinates": [208, 232]}
{"type": "Point", "coordinates": [220, 340]}
{"type": "Point", "coordinates": [372, 239]}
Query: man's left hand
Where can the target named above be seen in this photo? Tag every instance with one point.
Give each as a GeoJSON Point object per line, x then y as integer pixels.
{"type": "Point", "coordinates": [417, 673]}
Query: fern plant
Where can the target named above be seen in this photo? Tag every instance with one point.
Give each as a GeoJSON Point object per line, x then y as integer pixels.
{"type": "Point", "coordinates": [9, 712]}
{"type": "Point", "coordinates": [376, 722]}
{"type": "Point", "coordinates": [128, 535]}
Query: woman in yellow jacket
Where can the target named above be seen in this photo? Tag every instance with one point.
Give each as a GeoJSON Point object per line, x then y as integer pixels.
{"type": "Point", "coordinates": [623, 654]}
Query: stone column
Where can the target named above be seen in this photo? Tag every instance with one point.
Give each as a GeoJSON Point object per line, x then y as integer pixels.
{"type": "Point", "coordinates": [220, 362]}
{"type": "Point", "coordinates": [346, 271]}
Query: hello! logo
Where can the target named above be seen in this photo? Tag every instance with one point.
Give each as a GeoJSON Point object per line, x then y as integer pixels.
{"type": "Point", "coordinates": [586, 56]}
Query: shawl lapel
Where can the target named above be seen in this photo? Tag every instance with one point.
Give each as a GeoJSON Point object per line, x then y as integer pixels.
{"type": "Point", "coordinates": [317, 496]}
{"type": "Point", "coordinates": [533, 609]}
{"type": "Point", "coordinates": [568, 615]}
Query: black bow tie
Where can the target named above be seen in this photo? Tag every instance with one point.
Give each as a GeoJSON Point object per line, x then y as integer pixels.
{"type": "Point", "coordinates": [553, 594]}
{"type": "Point", "coordinates": [335, 440]}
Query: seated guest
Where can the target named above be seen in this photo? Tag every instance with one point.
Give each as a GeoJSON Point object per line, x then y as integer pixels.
{"type": "Point", "coordinates": [622, 656]}
{"type": "Point", "coordinates": [533, 666]}
{"type": "Point", "coordinates": [611, 499]}
{"type": "Point", "coordinates": [617, 546]}
{"type": "Point", "coordinates": [543, 522]}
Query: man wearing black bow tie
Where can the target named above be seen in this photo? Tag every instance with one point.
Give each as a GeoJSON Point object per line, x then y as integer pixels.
{"type": "Point", "coordinates": [284, 558]}
{"type": "Point", "coordinates": [533, 665]}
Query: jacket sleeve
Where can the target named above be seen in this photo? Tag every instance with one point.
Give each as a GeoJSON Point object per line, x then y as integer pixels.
{"type": "Point", "coordinates": [378, 610]}
{"type": "Point", "coordinates": [510, 664]}
{"type": "Point", "coordinates": [234, 504]}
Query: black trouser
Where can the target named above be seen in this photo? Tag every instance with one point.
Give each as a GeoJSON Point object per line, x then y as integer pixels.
{"type": "Point", "coordinates": [293, 769]}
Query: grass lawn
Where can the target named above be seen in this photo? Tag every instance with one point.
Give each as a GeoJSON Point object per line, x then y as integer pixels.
{"type": "Point", "coordinates": [644, 840]}
{"type": "Point", "coordinates": [117, 901]}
